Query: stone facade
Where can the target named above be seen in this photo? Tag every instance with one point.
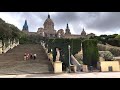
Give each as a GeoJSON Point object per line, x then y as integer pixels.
{"type": "Point", "coordinates": [48, 31]}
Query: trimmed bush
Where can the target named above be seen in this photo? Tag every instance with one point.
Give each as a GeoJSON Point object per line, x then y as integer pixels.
{"type": "Point", "coordinates": [107, 55]}
{"type": "Point", "coordinates": [90, 52]}
{"type": "Point", "coordinates": [113, 49]}
{"type": "Point", "coordinates": [75, 46]}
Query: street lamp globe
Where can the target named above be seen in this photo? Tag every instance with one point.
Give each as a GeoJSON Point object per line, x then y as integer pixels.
{"type": "Point", "coordinates": [51, 50]}
{"type": "Point", "coordinates": [68, 46]}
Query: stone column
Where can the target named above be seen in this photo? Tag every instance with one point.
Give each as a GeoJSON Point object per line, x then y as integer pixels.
{"type": "Point", "coordinates": [0, 46]}
{"type": "Point", "coordinates": [4, 48]}
{"type": "Point", "coordinates": [14, 43]}
{"type": "Point", "coordinates": [9, 43]}
{"type": "Point", "coordinates": [18, 42]}
{"type": "Point", "coordinates": [44, 45]}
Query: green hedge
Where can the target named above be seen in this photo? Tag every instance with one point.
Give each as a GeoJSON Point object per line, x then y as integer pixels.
{"type": "Point", "coordinates": [8, 31]}
{"type": "Point", "coordinates": [75, 45]}
{"type": "Point", "coordinates": [62, 44]}
{"type": "Point", "coordinates": [29, 39]}
{"type": "Point", "coordinates": [90, 52]}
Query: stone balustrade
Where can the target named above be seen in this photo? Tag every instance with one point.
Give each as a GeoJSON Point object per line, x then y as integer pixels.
{"type": "Point", "coordinates": [0, 46]}
{"type": "Point", "coordinates": [56, 65]}
{"type": "Point", "coordinates": [12, 44]}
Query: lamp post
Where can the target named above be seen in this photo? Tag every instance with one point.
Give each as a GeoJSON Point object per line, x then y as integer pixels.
{"type": "Point", "coordinates": [69, 57]}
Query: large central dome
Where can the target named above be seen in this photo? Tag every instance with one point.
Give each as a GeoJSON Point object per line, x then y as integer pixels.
{"type": "Point", "coordinates": [48, 24]}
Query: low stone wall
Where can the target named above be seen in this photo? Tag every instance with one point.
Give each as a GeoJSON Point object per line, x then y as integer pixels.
{"type": "Point", "coordinates": [106, 65]}
{"type": "Point", "coordinates": [5, 49]}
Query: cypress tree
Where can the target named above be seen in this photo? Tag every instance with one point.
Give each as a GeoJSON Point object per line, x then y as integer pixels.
{"type": "Point", "coordinates": [90, 52]}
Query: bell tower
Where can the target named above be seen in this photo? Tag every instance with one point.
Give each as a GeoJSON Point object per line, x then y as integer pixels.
{"type": "Point", "coordinates": [67, 30]}
{"type": "Point", "coordinates": [25, 27]}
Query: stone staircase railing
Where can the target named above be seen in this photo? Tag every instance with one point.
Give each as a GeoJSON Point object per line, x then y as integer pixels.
{"type": "Point", "coordinates": [49, 55]}
{"type": "Point", "coordinates": [57, 65]}
{"type": "Point", "coordinates": [12, 44]}
{"type": "Point", "coordinates": [76, 64]}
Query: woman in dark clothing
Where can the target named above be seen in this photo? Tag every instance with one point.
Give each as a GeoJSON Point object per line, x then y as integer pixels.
{"type": "Point", "coordinates": [31, 56]}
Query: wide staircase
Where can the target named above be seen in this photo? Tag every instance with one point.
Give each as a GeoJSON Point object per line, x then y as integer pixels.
{"type": "Point", "coordinates": [13, 61]}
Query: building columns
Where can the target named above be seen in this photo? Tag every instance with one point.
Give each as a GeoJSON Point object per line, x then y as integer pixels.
{"type": "Point", "coordinates": [0, 46]}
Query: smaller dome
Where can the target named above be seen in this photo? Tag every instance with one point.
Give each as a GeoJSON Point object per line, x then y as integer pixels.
{"type": "Point", "coordinates": [61, 31]}
{"type": "Point", "coordinates": [40, 30]}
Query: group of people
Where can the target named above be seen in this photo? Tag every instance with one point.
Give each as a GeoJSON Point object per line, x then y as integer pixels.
{"type": "Point", "coordinates": [30, 56]}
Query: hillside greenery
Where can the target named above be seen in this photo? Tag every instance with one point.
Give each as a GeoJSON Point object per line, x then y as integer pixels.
{"type": "Point", "coordinates": [8, 31]}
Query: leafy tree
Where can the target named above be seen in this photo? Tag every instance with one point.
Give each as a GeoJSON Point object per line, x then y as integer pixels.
{"type": "Point", "coordinates": [117, 37]}
{"type": "Point", "coordinates": [8, 31]}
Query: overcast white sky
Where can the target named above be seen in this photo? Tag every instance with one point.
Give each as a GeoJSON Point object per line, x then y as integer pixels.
{"type": "Point", "coordinates": [93, 22]}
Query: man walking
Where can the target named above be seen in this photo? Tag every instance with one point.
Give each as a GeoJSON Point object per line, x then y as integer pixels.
{"type": "Point", "coordinates": [34, 56]}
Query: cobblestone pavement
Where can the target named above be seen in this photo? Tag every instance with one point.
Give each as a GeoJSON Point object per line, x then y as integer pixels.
{"type": "Point", "coordinates": [67, 75]}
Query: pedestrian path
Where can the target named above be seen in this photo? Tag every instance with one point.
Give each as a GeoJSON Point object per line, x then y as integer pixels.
{"type": "Point", "coordinates": [13, 61]}
{"type": "Point", "coordinates": [67, 75]}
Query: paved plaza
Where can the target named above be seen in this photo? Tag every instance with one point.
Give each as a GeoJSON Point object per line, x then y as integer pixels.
{"type": "Point", "coordinates": [67, 75]}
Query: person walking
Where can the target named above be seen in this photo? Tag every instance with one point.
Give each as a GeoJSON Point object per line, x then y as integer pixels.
{"type": "Point", "coordinates": [34, 56]}
{"type": "Point", "coordinates": [25, 56]}
{"type": "Point", "coordinates": [31, 56]}
{"type": "Point", "coordinates": [28, 56]}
